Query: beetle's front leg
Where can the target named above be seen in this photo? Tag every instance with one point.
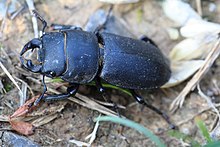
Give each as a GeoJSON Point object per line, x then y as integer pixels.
{"type": "Point", "coordinates": [140, 100]}
{"type": "Point", "coordinates": [42, 95]}
{"type": "Point", "coordinates": [72, 90]}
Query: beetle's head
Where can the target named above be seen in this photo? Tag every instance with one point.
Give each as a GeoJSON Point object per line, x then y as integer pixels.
{"type": "Point", "coordinates": [51, 60]}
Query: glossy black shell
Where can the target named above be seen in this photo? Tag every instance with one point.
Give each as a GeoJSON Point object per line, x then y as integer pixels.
{"type": "Point", "coordinates": [82, 56]}
{"type": "Point", "coordinates": [78, 57]}
{"type": "Point", "coordinates": [133, 64]}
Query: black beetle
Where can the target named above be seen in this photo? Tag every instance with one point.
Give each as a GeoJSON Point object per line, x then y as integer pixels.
{"type": "Point", "coordinates": [79, 57]}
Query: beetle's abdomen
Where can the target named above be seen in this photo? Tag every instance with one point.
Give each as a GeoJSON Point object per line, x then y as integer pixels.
{"type": "Point", "coordinates": [82, 56]}
{"type": "Point", "coordinates": [133, 64]}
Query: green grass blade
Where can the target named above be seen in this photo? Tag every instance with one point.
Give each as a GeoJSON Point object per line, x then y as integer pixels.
{"type": "Point", "coordinates": [54, 80]}
{"type": "Point", "coordinates": [105, 85]}
{"type": "Point", "coordinates": [135, 126]}
{"type": "Point", "coordinates": [117, 88]}
{"type": "Point", "coordinates": [200, 124]}
{"type": "Point", "coordinates": [213, 144]}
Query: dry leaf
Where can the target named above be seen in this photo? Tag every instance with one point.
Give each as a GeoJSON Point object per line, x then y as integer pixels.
{"type": "Point", "coordinates": [179, 11]}
{"type": "Point", "coordinates": [199, 27]}
{"type": "Point", "coordinates": [24, 109]}
{"type": "Point", "coordinates": [21, 127]}
{"type": "Point", "coordinates": [182, 70]}
{"type": "Point", "coordinates": [193, 48]}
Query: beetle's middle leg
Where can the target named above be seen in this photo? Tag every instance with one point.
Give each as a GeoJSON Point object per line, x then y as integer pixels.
{"type": "Point", "coordinates": [140, 100]}
{"type": "Point", "coordinates": [102, 90]}
{"type": "Point", "coordinates": [72, 90]}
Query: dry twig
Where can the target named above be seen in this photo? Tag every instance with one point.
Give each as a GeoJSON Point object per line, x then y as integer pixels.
{"type": "Point", "coordinates": [89, 103]}
{"type": "Point", "coordinates": [208, 99]}
{"type": "Point", "coordinates": [24, 91]}
{"type": "Point", "coordinates": [92, 136]}
{"type": "Point", "coordinates": [31, 7]}
{"type": "Point", "coordinates": [216, 129]}
{"type": "Point", "coordinates": [198, 6]}
{"type": "Point", "coordinates": [11, 78]}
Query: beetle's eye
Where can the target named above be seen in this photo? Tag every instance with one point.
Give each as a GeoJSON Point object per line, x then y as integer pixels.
{"type": "Point", "coordinates": [52, 73]}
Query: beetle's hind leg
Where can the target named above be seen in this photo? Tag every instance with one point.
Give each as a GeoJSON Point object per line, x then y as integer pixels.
{"type": "Point", "coordinates": [140, 100]}
{"type": "Point", "coordinates": [72, 90]}
{"type": "Point", "coordinates": [148, 40]}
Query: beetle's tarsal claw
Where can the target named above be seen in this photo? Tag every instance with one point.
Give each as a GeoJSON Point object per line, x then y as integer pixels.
{"type": "Point", "coordinates": [36, 102]}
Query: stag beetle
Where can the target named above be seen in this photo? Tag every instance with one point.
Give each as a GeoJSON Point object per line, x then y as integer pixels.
{"type": "Point", "coordinates": [79, 57]}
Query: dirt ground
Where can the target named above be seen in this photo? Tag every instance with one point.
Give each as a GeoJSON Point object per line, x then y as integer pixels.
{"type": "Point", "coordinates": [74, 121]}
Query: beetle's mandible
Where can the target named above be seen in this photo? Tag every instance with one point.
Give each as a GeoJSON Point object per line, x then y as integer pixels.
{"type": "Point", "coordinates": [79, 57]}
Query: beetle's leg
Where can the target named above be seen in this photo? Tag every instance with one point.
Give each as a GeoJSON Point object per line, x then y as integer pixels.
{"type": "Point", "coordinates": [102, 26]}
{"type": "Point", "coordinates": [148, 40]}
{"type": "Point", "coordinates": [72, 90]}
{"type": "Point", "coordinates": [64, 27]}
{"type": "Point", "coordinates": [101, 89]}
{"type": "Point", "coordinates": [140, 100]}
{"type": "Point", "coordinates": [42, 95]}
{"type": "Point", "coordinates": [99, 86]}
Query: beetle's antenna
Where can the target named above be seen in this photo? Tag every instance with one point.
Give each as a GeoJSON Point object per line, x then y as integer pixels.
{"type": "Point", "coordinates": [36, 14]}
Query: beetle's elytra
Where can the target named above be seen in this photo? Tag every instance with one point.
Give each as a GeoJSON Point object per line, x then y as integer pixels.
{"type": "Point", "coordinates": [80, 57]}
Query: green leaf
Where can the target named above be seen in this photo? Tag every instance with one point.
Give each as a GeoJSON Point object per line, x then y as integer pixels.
{"type": "Point", "coordinates": [135, 126]}
{"type": "Point", "coordinates": [8, 87]}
